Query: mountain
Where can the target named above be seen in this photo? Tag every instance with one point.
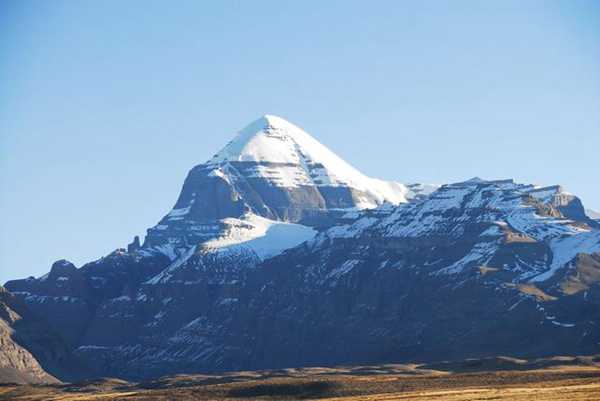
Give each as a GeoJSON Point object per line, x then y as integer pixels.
{"type": "Point", "coordinates": [29, 347]}
{"type": "Point", "coordinates": [275, 170]}
{"type": "Point", "coordinates": [277, 253]}
{"type": "Point", "coordinates": [17, 365]}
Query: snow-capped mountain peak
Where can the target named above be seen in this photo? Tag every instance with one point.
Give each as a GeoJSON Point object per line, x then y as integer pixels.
{"type": "Point", "coordinates": [272, 169]}
{"type": "Point", "coordinates": [297, 159]}
{"type": "Point", "coordinates": [273, 139]}
{"type": "Point", "coordinates": [266, 139]}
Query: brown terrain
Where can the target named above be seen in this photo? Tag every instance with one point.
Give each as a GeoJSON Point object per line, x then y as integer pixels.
{"type": "Point", "coordinates": [553, 379]}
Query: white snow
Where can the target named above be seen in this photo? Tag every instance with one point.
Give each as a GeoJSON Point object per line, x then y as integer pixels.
{"type": "Point", "coordinates": [302, 160]}
{"type": "Point", "coordinates": [179, 212]}
{"type": "Point", "coordinates": [265, 237]}
{"type": "Point", "coordinates": [352, 230]}
{"type": "Point", "coordinates": [592, 214]}
{"type": "Point", "coordinates": [422, 189]}
{"type": "Point", "coordinates": [566, 248]}
{"type": "Point", "coordinates": [481, 253]}
{"type": "Point", "coordinates": [545, 194]}
{"type": "Point", "coordinates": [260, 236]}
{"type": "Point", "coordinates": [492, 231]}
{"type": "Point", "coordinates": [47, 298]}
{"type": "Point", "coordinates": [345, 268]}
{"type": "Point", "coordinates": [498, 203]}
{"type": "Point", "coordinates": [228, 301]}
{"type": "Point", "coordinates": [168, 250]}
{"type": "Point", "coordinates": [218, 173]}
{"type": "Point", "coordinates": [562, 324]}
{"type": "Point", "coordinates": [177, 262]}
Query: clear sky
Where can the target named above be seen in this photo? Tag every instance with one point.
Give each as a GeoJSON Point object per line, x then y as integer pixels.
{"type": "Point", "coordinates": [106, 105]}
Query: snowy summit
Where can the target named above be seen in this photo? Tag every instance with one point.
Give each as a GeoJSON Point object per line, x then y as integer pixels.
{"type": "Point", "coordinates": [271, 173]}
{"type": "Point", "coordinates": [299, 159]}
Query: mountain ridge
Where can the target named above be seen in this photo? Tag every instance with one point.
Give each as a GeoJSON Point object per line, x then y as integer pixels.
{"type": "Point", "coordinates": [250, 270]}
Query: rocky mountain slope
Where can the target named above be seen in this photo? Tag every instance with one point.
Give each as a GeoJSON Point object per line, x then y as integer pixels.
{"type": "Point", "coordinates": [28, 346]}
{"type": "Point", "coordinates": [17, 365]}
{"type": "Point", "coordinates": [277, 253]}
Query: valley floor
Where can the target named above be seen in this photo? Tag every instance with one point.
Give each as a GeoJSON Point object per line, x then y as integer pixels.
{"type": "Point", "coordinates": [550, 379]}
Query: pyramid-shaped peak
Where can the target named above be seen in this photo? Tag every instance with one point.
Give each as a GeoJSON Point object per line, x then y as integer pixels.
{"type": "Point", "coordinates": [275, 121]}
{"type": "Point", "coordinates": [269, 123]}
{"type": "Point", "coordinates": [272, 139]}
{"type": "Point", "coordinates": [293, 155]}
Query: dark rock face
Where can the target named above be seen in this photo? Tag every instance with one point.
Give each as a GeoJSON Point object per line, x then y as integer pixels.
{"type": "Point", "coordinates": [17, 365]}
{"type": "Point", "coordinates": [68, 298]}
{"type": "Point", "coordinates": [211, 199]}
{"type": "Point", "coordinates": [135, 245]}
{"type": "Point", "coordinates": [29, 348]}
{"type": "Point", "coordinates": [354, 299]}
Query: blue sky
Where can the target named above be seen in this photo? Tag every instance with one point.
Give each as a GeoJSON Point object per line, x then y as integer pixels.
{"type": "Point", "coordinates": [105, 106]}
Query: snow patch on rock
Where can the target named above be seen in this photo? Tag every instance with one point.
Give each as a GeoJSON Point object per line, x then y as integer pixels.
{"type": "Point", "coordinates": [265, 237]}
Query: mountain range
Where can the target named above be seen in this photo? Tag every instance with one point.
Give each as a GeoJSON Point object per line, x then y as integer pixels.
{"type": "Point", "coordinates": [277, 253]}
